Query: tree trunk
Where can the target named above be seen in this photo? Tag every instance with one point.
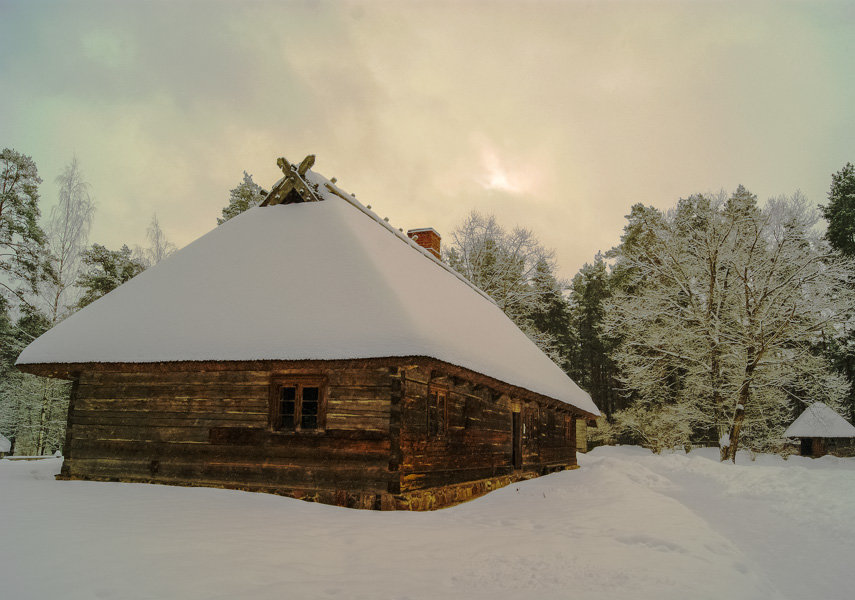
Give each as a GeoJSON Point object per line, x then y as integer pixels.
{"type": "Point", "coordinates": [735, 428]}
{"type": "Point", "coordinates": [48, 418]}
{"type": "Point", "coordinates": [43, 417]}
{"type": "Point", "coordinates": [729, 451]}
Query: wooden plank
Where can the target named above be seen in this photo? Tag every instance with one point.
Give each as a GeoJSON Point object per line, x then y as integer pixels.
{"type": "Point", "coordinates": [375, 394]}
{"type": "Point", "coordinates": [176, 391]}
{"type": "Point", "coordinates": [259, 436]}
{"type": "Point", "coordinates": [154, 434]}
{"type": "Point", "coordinates": [153, 419]}
{"type": "Point", "coordinates": [183, 405]}
{"type": "Point", "coordinates": [369, 455]}
{"type": "Point", "coordinates": [183, 377]}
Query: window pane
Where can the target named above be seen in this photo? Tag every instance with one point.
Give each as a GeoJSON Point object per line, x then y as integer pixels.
{"type": "Point", "coordinates": [310, 394]}
{"type": "Point", "coordinates": [287, 405]}
{"type": "Point", "coordinates": [309, 407]}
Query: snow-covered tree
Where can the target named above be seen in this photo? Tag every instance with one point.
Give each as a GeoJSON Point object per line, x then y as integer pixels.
{"type": "Point", "coordinates": [32, 409]}
{"type": "Point", "coordinates": [245, 196]}
{"type": "Point", "coordinates": [720, 307]}
{"type": "Point", "coordinates": [516, 271]}
{"type": "Point", "coordinates": [22, 268]}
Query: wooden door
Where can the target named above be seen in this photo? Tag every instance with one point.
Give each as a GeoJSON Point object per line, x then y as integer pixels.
{"type": "Point", "coordinates": [516, 452]}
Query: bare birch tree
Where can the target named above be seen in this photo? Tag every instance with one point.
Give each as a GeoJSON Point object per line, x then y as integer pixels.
{"type": "Point", "coordinates": [67, 230]}
{"type": "Point", "coordinates": [158, 246]}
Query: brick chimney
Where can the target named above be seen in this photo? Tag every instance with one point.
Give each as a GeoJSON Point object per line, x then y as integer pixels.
{"type": "Point", "coordinates": [427, 238]}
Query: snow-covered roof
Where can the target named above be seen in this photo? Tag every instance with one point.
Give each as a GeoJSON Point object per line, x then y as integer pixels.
{"type": "Point", "coordinates": [313, 280]}
{"type": "Point", "coordinates": [819, 420]}
{"type": "Point", "coordinates": [5, 444]}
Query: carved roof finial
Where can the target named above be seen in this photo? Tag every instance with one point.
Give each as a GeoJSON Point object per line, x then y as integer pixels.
{"type": "Point", "coordinates": [306, 165]}
{"type": "Point", "coordinates": [293, 187]}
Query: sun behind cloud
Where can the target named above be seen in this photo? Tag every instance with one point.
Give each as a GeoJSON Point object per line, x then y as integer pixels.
{"type": "Point", "coordinates": [502, 174]}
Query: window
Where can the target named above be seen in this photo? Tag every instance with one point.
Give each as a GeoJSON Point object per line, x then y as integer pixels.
{"type": "Point", "coordinates": [436, 413]}
{"type": "Point", "coordinates": [297, 404]}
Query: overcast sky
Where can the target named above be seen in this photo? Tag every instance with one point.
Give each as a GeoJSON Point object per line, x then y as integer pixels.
{"type": "Point", "coordinates": [557, 116]}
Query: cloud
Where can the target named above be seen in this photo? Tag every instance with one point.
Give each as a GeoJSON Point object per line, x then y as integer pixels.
{"type": "Point", "coordinates": [555, 116]}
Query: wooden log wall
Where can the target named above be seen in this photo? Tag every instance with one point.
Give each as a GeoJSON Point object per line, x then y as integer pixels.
{"type": "Point", "coordinates": [549, 440]}
{"type": "Point", "coordinates": [476, 442]}
{"type": "Point", "coordinates": [212, 428]}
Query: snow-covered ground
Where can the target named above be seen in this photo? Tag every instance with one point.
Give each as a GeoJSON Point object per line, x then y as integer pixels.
{"type": "Point", "coordinates": [629, 524]}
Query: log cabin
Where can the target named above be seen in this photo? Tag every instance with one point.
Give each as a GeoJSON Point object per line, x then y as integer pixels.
{"type": "Point", "coordinates": [308, 348]}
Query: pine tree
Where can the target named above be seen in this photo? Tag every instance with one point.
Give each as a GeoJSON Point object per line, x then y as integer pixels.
{"type": "Point", "coordinates": [840, 215]}
{"type": "Point", "coordinates": [104, 270]}
{"type": "Point", "coordinates": [245, 196]}
{"type": "Point", "coordinates": [591, 365]}
{"type": "Point", "coordinates": [21, 238]}
{"type": "Point", "coordinates": [22, 269]}
{"type": "Point", "coordinates": [840, 211]}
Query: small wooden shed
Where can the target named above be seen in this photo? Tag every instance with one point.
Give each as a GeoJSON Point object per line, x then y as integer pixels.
{"type": "Point", "coordinates": [308, 348]}
{"type": "Point", "coordinates": [821, 430]}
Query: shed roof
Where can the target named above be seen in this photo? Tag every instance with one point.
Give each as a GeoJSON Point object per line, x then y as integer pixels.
{"type": "Point", "coordinates": [313, 280]}
{"type": "Point", "coordinates": [821, 421]}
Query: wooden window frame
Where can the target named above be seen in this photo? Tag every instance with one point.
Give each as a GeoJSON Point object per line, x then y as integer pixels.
{"type": "Point", "coordinates": [300, 382]}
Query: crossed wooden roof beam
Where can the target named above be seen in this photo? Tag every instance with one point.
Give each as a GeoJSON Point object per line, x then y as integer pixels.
{"type": "Point", "coordinates": [292, 188]}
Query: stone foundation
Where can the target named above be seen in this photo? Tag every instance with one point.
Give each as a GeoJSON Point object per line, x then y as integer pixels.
{"type": "Point", "coordinates": [426, 499]}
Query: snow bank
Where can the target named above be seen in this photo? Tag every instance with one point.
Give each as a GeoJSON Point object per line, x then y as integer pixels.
{"type": "Point", "coordinates": [629, 524]}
